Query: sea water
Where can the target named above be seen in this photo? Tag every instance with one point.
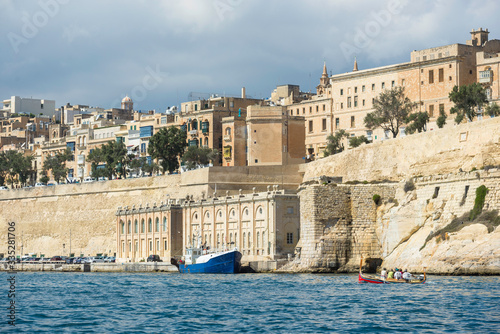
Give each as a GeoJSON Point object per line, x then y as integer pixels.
{"type": "Point", "coordinates": [246, 303]}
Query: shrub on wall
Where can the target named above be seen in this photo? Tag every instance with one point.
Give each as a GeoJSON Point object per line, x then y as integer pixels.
{"type": "Point", "coordinates": [478, 202]}
{"type": "Point", "coordinates": [409, 186]}
{"type": "Point", "coordinates": [376, 199]}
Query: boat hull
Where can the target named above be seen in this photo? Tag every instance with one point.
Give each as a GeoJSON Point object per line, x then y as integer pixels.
{"type": "Point", "coordinates": [367, 279]}
{"type": "Point", "coordinates": [227, 263]}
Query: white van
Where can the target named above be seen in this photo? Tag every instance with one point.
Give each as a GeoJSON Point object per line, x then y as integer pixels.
{"type": "Point", "coordinates": [88, 179]}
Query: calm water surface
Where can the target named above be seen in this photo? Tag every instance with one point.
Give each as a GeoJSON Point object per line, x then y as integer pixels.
{"type": "Point", "coordinates": [248, 303]}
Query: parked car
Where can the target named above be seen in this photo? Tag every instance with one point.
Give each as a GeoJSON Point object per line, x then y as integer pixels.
{"type": "Point", "coordinates": [39, 184]}
{"type": "Point", "coordinates": [4, 188]}
{"type": "Point", "coordinates": [56, 258]}
{"type": "Point", "coordinates": [88, 179]}
{"type": "Point", "coordinates": [51, 184]}
{"type": "Point", "coordinates": [154, 258]}
{"type": "Point", "coordinates": [70, 260]}
{"type": "Point", "coordinates": [109, 259]}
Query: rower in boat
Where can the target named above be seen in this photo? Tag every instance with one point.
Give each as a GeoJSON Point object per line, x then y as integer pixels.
{"type": "Point", "coordinates": [366, 278]}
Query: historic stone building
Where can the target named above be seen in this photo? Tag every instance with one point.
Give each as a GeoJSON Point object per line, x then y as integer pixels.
{"type": "Point", "coordinates": [263, 226]}
{"type": "Point", "coordinates": [149, 230]}
{"type": "Point", "coordinates": [343, 100]}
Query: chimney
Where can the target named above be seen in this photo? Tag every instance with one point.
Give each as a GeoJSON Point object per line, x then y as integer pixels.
{"type": "Point", "coordinates": [243, 95]}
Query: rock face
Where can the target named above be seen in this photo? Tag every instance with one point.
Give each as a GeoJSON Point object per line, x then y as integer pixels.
{"type": "Point", "coordinates": [470, 249]}
{"type": "Point", "coordinates": [341, 223]}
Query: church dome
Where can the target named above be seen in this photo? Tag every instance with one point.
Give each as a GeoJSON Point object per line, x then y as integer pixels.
{"type": "Point", "coordinates": [126, 99]}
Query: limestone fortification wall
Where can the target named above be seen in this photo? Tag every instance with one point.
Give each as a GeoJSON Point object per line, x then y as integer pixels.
{"type": "Point", "coordinates": [338, 224]}
{"type": "Point", "coordinates": [441, 151]}
{"type": "Point", "coordinates": [341, 223]}
{"type": "Point", "coordinates": [403, 229]}
{"type": "Point", "coordinates": [83, 215]}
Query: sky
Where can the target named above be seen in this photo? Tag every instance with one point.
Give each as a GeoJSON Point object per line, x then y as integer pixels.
{"type": "Point", "coordinates": [163, 52]}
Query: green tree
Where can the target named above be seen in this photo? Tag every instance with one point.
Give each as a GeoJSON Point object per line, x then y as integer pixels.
{"type": "Point", "coordinates": [356, 141]}
{"type": "Point", "coordinates": [4, 168]}
{"type": "Point", "coordinates": [57, 164]}
{"type": "Point", "coordinates": [392, 108]}
{"type": "Point", "coordinates": [17, 166]}
{"type": "Point", "coordinates": [493, 109]}
{"type": "Point", "coordinates": [114, 155]}
{"type": "Point", "coordinates": [334, 143]}
{"type": "Point", "coordinates": [441, 120]}
{"type": "Point", "coordinates": [467, 99]}
{"type": "Point", "coordinates": [417, 122]}
{"type": "Point", "coordinates": [167, 145]}
{"type": "Point", "coordinates": [195, 156]}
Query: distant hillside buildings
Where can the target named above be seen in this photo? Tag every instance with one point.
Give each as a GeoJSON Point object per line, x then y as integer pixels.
{"type": "Point", "coordinates": [291, 127]}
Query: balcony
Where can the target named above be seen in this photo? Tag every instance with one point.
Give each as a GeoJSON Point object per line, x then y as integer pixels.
{"type": "Point", "coordinates": [205, 126]}
{"type": "Point", "coordinates": [227, 137]}
{"type": "Point", "coordinates": [485, 76]}
{"type": "Point", "coordinates": [193, 132]}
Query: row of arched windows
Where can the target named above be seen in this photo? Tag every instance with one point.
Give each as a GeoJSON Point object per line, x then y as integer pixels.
{"type": "Point", "coordinates": [143, 226]}
{"type": "Point", "coordinates": [232, 213]}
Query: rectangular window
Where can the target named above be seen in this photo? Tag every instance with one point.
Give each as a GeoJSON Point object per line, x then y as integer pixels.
{"type": "Point", "coordinates": [341, 91]}
{"type": "Point", "coordinates": [441, 108]}
{"type": "Point", "coordinates": [150, 245]}
{"type": "Point", "coordinates": [297, 111]}
{"type": "Point", "coordinates": [363, 103]}
{"type": "Point", "coordinates": [310, 126]}
{"type": "Point", "coordinates": [324, 107]}
{"type": "Point", "coordinates": [355, 101]}
{"type": "Point", "coordinates": [431, 76]}
{"type": "Point", "coordinates": [373, 87]}
{"type": "Point", "coordinates": [353, 122]}
{"type": "Point", "coordinates": [337, 123]}
{"type": "Point", "coordinates": [363, 88]}
{"type": "Point", "coordinates": [324, 124]}
{"type": "Point", "coordinates": [355, 90]}
{"type": "Point", "coordinates": [157, 245]}
{"type": "Point", "coordinates": [349, 102]}
{"type": "Point", "coordinates": [317, 108]}
{"type": "Point", "coordinates": [289, 238]}
{"type": "Point", "coordinates": [402, 82]}
{"type": "Point", "coordinates": [431, 110]}
{"type": "Point", "coordinates": [441, 75]}
{"type": "Point", "coordinates": [383, 85]}
{"type": "Point", "coordinates": [393, 84]}
{"type": "Point", "coordinates": [304, 111]}
{"type": "Point", "coordinates": [164, 244]}
{"type": "Point", "coordinates": [310, 110]}
{"type": "Point", "coordinates": [289, 210]}
{"type": "Point", "coordinates": [341, 105]}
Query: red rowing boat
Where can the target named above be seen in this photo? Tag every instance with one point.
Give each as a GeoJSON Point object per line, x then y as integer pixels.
{"type": "Point", "coordinates": [365, 278]}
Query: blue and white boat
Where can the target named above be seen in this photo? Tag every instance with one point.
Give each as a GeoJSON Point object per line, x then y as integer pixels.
{"type": "Point", "coordinates": [200, 261]}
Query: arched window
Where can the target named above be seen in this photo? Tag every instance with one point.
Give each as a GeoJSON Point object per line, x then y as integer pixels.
{"type": "Point", "coordinates": [206, 141]}
{"type": "Point", "coordinates": [150, 225]}
{"type": "Point", "coordinates": [122, 227]}
{"type": "Point", "coordinates": [136, 228]}
{"type": "Point", "coordinates": [84, 140]}
{"type": "Point", "coordinates": [258, 237]}
{"type": "Point", "coordinates": [143, 226]}
{"type": "Point", "coordinates": [164, 224]}
{"type": "Point", "coordinates": [249, 243]}
{"type": "Point", "coordinates": [228, 131]}
{"type": "Point", "coordinates": [194, 125]}
{"type": "Point", "coordinates": [244, 237]}
{"type": "Point", "coordinates": [129, 227]}
{"type": "Point", "coordinates": [157, 225]}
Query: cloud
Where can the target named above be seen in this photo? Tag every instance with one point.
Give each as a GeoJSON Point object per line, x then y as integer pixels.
{"type": "Point", "coordinates": [95, 52]}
